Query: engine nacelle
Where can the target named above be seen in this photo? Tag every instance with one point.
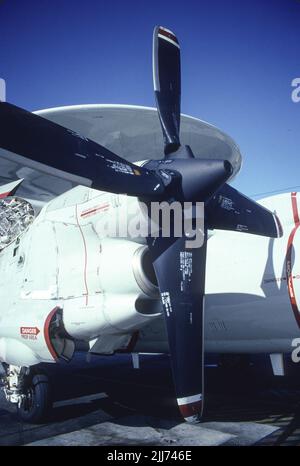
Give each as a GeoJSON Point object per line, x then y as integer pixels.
{"type": "Point", "coordinates": [127, 268]}
{"type": "Point", "coordinates": [129, 296]}
{"type": "Point", "coordinates": [34, 333]}
{"type": "Point", "coordinates": [15, 352]}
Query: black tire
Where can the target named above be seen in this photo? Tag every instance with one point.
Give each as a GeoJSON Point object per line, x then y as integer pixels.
{"type": "Point", "coordinates": [36, 407]}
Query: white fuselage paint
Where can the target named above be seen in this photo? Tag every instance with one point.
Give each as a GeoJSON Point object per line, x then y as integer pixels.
{"type": "Point", "coordinates": [248, 303]}
{"type": "Point", "coordinates": [62, 260]}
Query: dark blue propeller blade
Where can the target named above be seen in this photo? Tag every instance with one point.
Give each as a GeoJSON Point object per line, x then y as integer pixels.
{"type": "Point", "coordinates": [52, 145]}
{"type": "Point", "coordinates": [167, 86]}
{"type": "Point", "coordinates": [180, 274]}
{"type": "Point", "coordinates": [229, 209]}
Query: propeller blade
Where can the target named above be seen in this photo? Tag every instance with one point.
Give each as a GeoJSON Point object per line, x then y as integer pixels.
{"type": "Point", "coordinates": [229, 209]}
{"type": "Point", "coordinates": [54, 146]}
{"type": "Point", "coordinates": [181, 278]}
{"type": "Point", "coordinates": [167, 87]}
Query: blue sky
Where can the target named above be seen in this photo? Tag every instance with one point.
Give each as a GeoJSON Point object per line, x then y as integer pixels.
{"type": "Point", "coordinates": [238, 61]}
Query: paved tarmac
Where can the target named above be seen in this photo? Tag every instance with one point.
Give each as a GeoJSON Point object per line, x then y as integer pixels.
{"type": "Point", "coordinates": [107, 402]}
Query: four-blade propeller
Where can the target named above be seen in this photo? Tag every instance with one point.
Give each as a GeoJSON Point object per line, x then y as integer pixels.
{"type": "Point", "coordinates": [179, 176]}
{"type": "Point", "coordinates": [180, 270]}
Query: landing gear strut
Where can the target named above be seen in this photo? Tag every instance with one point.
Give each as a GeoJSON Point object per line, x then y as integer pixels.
{"type": "Point", "coordinates": [29, 390]}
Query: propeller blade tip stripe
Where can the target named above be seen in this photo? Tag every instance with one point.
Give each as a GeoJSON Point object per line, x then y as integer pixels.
{"type": "Point", "coordinates": [191, 407]}
{"type": "Point", "coordinates": [168, 35]}
{"type": "Point", "coordinates": [189, 399]}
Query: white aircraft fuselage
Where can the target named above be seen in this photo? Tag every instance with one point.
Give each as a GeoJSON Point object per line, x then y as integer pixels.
{"type": "Point", "coordinates": [63, 280]}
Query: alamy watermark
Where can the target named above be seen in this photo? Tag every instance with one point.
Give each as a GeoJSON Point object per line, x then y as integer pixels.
{"type": "Point", "coordinates": [296, 91]}
{"type": "Point", "coordinates": [296, 352]}
{"type": "Point", "coordinates": [156, 219]}
{"type": "Point", "coordinates": [2, 90]}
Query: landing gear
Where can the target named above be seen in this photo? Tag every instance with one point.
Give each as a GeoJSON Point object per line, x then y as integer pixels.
{"type": "Point", "coordinates": [30, 391]}
{"type": "Point", "coordinates": [36, 402]}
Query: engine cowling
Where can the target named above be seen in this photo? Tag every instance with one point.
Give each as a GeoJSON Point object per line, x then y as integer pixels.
{"type": "Point", "coordinates": [129, 296]}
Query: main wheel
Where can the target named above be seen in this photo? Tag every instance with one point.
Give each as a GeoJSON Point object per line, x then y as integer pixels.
{"type": "Point", "coordinates": [37, 402]}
